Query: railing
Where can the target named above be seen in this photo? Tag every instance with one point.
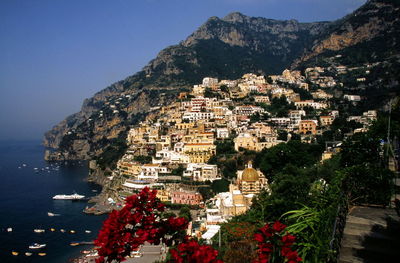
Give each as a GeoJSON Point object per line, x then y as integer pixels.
{"type": "Point", "coordinates": [338, 228]}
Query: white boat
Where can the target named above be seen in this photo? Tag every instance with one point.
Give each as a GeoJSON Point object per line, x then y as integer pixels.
{"type": "Point", "coordinates": [9, 229]}
{"type": "Point", "coordinates": [52, 214]}
{"type": "Point", "coordinates": [37, 246]}
{"type": "Point", "coordinates": [88, 231]}
{"type": "Point", "coordinates": [38, 230]}
{"type": "Point", "coordinates": [68, 197]}
{"type": "Point", "coordinates": [28, 254]}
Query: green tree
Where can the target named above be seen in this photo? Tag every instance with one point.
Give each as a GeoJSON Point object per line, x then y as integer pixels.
{"type": "Point", "coordinates": [185, 212]}
{"type": "Point", "coordinates": [142, 159]}
{"type": "Point", "coordinates": [219, 186]}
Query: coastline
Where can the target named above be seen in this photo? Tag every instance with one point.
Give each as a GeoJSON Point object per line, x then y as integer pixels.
{"type": "Point", "coordinates": [100, 204]}
{"type": "Point", "coordinates": [97, 205]}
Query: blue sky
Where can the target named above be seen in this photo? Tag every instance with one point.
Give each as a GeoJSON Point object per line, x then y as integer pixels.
{"type": "Point", "coordinates": [56, 53]}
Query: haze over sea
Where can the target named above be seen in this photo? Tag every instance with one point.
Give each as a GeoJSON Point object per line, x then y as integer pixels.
{"type": "Point", "coordinates": [26, 197]}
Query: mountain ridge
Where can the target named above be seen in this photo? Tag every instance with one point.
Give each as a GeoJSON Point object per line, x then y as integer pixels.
{"type": "Point", "coordinates": [225, 48]}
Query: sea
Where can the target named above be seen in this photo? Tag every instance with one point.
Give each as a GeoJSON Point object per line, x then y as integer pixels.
{"type": "Point", "coordinates": [27, 185]}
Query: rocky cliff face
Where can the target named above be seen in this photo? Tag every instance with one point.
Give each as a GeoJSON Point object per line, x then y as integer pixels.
{"type": "Point", "coordinates": [223, 48]}
{"type": "Point", "coordinates": [374, 27]}
{"type": "Point", "coordinates": [232, 46]}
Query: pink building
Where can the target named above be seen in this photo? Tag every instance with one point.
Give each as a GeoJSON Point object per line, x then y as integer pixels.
{"type": "Point", "coordinates": [186, 198]}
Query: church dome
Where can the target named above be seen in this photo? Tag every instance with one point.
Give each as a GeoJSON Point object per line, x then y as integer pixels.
{"type": "Point", "coordinates": [250, 175]}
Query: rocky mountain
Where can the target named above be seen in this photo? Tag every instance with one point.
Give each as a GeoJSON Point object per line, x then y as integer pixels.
{"type": "Point", "coordinates": [225, 48]}
{"type": "Point", "coordinates": [371, 33]}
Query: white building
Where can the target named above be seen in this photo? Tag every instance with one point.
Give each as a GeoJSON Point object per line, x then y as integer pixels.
{"type": "Point", "coordinates": [196, 116]}
{"type": "Point", "coordinates": [202, 172]}
{"type": "Point", "coordinates": [222, 133]}
{"type": "Point", "coordinates": [208, 82]}
{"type": "Point", "coordinates": [151, 171]}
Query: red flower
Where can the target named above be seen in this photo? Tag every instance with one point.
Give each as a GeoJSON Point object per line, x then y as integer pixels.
{"type": "Point", "coordinates": [288, 239]}
{"type": "Point", "coordinates": [273, 244]}
{"type": "Point", "coordinates": [293, 257]}
{"type": "Point", "coordinates": [278, 226]}
{"type": "Point", "coordinates": [191, 251]}
{"type": "Point", "coordinates": [266, 230]}
{"type": "Point", "coordinates": [259, 237]}
{"type": "Point", "coordinates": [139, 221]}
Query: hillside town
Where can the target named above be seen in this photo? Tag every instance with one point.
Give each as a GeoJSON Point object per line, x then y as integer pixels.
{"type": "Point", "coordinates": [172, 149]}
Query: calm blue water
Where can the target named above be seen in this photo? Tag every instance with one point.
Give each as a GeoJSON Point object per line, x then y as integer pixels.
{"type": "Point", "coordinates": [26, 197]}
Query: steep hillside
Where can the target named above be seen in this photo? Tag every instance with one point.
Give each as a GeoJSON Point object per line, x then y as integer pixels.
{"type": "Point", "coordinates": [223, 48]}
{"type": "Point", "coordinates": [227, 48]}
{"type": "Point", "coordinates": [369, 34]}
{"type": "Point", "coordinates": [367, 42]}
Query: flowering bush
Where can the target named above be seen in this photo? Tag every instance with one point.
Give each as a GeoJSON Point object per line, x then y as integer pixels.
{"type": "Point", "coordinates": [191, 251]}
{"type": "Point", "coordinates": [141, 220]}
{"type": "Point", "coordinates": [274, 245]}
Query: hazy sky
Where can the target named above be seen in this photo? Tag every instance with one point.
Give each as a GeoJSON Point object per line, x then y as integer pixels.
{"type": "Point", "coordinates": [56, 53]}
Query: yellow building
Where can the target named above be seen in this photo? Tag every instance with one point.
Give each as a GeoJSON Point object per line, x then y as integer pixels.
{"type": "Point", "coordinates": [246, 141]}
{"type": "Point", "coordinates": [164, 195]}
{"type": "Point", "coordinates": [204, 137]}
{"type": "Point", "coordinates": [199, 152]}
{"type": "Point", "coordinates": [130, 169]}
{"type": "Point", "coordinates": [251, 181]}
{"type": "Point", "coordinates": [326, 120]}
{"type": "Point", "coordinates": [308, 127]}
{"type": "Point", "coordinates": [232, 203]}
{"type": "Point", "coordinates": [184, 125]}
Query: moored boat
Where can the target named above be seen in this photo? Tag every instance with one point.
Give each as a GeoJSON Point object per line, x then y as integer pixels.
{"type": "Point", "coordinates": [14, 253]}
{"type": "Point", "coordinates": [38, 230]}
{"type": "Point", "coordinates": [37, 246]}
{"type": "Point", "coordinates": [42, 254]}
{"type": "Point", "coordinates": [52, 214]}
{"type": "Point", "coordinates": [74, 196]}
{"type": "Point", "coordinates": [88, 231]}
{"type": "Point", "coordinates": [9, 229]}
{"type": "Point", "coordinates": [28, 254]}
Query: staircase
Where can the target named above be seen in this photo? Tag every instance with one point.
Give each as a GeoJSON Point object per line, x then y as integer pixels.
{"type": "Point", "coordinates": [371, 235]}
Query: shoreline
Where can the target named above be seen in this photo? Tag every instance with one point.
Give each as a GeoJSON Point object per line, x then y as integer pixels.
{"type": "Point", "coordinates": [97, 205]}
{"type": "Point", "coordinates": [100, 204]}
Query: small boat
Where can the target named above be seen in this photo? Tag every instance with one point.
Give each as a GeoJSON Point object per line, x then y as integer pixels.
{"type": "Point", "coordinates": [74, 244]}
{"type": "Point", "coordinates": [88, 231]}
{"type": "Point", "coordinates": [62, 230]}
{"type": "Point", "coordinates": [85, 251]}
{"type": "Point", "coordinates": [68, 197]}
{"type": "Point", "coordinates": [14, 253]}
{"type": "Point", "coordinates": [52, 229]}
{"type": "Point", "coordinates": [42, 254]}
{"type": "Point", "coordinates": [9, 229]}
{"type": "Point", "coordinates": [28, 254]}
{"type": "Point", "coordinates": [52, 214]}
{"type": "Point", "coordinates": [72, 231]}
{"type": "Point", "coordinates": [37, 246]}
{"type": "Point", "coordinates": [39, 230]}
